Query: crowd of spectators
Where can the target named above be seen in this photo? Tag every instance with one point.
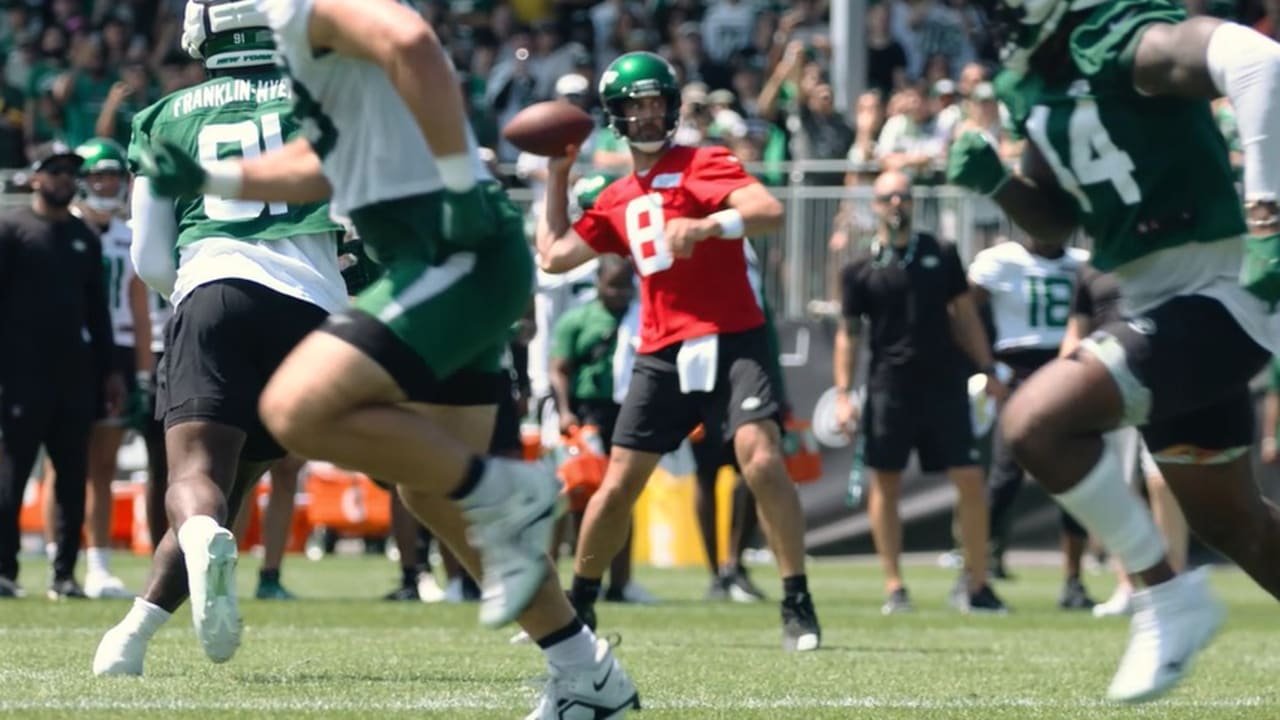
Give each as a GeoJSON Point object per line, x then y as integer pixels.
{"type": "Point", "coordinates": [756, 73]}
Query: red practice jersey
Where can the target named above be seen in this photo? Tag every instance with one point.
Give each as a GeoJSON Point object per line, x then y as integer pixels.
{"type": "Point", "coordinates": [680, 298]}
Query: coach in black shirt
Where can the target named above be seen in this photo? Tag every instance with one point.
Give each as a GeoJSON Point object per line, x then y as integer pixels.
{"type": "Point", "coordinates": [913, 290]}
{"type": "Point", "coordinates": [55, 340]}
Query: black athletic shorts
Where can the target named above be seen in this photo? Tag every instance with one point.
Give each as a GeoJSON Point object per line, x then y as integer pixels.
{"type": "Point", "coordinates": [122, 362]}
{"type": "Point", "coordinates": [656, 417]}
{"type": "Point", "coordinates": [222, 346]}
{"type": "Point", "coordinates": [601, 413]}
{"type": "Point", "coordinates": [935, 422]}
{"type": "Point", "coordinates": [1189, 364]}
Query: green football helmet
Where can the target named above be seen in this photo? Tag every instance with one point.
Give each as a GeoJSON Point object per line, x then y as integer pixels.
{"type": "Point", "coordinates": [102, 177]}
{"type": "Point", "coordinates": [638, 75]}
{"type": "Point", "coordinates": [227, 34]}
{"type": "Point", "coordinates": [1019, 27]}
{"type": "Point", "coordinates": [588, 188]}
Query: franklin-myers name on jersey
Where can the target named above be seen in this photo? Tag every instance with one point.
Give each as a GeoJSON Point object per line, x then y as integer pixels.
{"type": "Point", "coordinates": [236, 90]}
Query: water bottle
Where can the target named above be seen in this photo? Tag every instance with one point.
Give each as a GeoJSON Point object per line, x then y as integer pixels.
{"type": "Point", "coordinates": [857, 474]}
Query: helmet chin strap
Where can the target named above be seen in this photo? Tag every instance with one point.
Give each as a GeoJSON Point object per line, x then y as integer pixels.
{"type": "Point", "coordinates": [649, 146]}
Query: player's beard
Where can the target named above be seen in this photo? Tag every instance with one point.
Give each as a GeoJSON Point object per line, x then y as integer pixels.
{"type": "Point", "coordinates": [56, 197]}
{"type": "Point", "coordinates": [898, 222]}
{"type": "Point", "coordinates": [649, 133]}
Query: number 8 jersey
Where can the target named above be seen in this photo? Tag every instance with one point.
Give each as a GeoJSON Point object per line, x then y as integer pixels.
{"type": "Point", "coordinates": [1146, 173]}
{"type": "Point", "coordinates": [680, 298]}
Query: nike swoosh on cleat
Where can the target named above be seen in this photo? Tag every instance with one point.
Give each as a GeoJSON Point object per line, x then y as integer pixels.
{"type": "Point", "coordinates": [1173, 666]}
{"type": "Point", "coordinates": [600, 685]}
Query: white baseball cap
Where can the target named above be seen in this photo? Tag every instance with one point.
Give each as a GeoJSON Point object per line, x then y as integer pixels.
{"type": "Point", "coordinates": [572, 84]}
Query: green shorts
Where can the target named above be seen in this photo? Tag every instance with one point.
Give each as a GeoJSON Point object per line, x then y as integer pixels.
{"type": "Point", "coordinates": [439, 318]}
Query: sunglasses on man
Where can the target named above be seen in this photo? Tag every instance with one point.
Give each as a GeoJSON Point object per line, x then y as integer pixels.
{"type": "Point", "coordinates": [904, 196]}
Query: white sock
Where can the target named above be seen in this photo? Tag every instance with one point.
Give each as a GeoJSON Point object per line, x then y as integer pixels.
{"type": "Point", "coordinates": [144, 618]}
{"type": "Point", "coordinates": [493, 488]}
{"type": "Point", "coordinates": [196, 531]}
{"type": "Point", "coordinates": [577, 651]}
{"type": "Point", "coordinates": [97, 559]}
{"type": "Point", "coordinates": [51, 551]}
{"type": "Point", "coordinates": [1104, 504]}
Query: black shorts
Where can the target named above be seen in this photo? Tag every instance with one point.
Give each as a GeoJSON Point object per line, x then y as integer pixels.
{"type": "Point", "coordinates": [225, 341]}
{"type": "Point", "coordinates": [656, 417]}
{"type": "Point", "coordinates": [122, 362]}
{"type": "Point", "coordinates": [1186, 370]}
{"type": "Point", "coordinates": [601, 413]}
{"type": "Point", "coordinates": [936, 424]}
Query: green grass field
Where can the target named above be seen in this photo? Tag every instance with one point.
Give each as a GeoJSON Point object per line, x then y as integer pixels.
{"type": "Point", "coordinates": [341, 654]}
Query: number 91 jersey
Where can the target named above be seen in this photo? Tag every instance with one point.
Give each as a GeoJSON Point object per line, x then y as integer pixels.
{"type": "Point", "coordinates": [1146, 173]}
{"type": "Point", "coordinates": [245, 115]}
{"type": "Point", "coordinates": [680, 298]}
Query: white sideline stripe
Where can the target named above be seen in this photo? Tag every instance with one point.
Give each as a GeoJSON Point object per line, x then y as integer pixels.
{"type": "Point", "coordinates": [490, 703]}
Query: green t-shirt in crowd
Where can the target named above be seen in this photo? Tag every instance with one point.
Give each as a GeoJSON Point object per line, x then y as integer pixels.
{"type": "Point", "coordinates": [585, 337]}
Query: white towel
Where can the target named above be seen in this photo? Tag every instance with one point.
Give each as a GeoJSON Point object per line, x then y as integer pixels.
{"type": "Point", "coordinates": [697, 363]}
{"type": "Point", "coordinates": [624, 352]}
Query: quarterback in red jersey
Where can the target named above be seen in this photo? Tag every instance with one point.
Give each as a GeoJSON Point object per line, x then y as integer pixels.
{"type": "Point", "coordinates": [682, 218]}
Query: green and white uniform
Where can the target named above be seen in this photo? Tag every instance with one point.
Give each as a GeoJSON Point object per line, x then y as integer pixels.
{"type": "Point", "coordinates": [291, 249]}
{"type": "Point", "coordinates": [451, 306]}
{"type": "Point", "coordinates": [117, 269]}
{"type": "Point", "coordinates": [1150, 177]}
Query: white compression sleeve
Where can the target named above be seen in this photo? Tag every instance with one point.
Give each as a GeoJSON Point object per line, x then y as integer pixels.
{"type": "Point", "coordinates": [1105, 505]}
{"type": "Point", "coordinates": [1245, 66]}
{"type": "Point", "coordinates": [155, 233]}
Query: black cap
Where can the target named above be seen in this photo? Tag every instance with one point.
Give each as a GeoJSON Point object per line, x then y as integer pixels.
{"type": "Point", "coordinates": [51, 151]}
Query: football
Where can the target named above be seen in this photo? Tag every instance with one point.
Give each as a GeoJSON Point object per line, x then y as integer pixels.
{"type": "Point", "coordinates": [545, 128]}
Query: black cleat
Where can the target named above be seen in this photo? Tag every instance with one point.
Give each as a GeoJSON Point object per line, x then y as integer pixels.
{"type": "Point", "coordinates": [984, 600]}
{"type": "Point", "coordinates": [1074, 596]}
{"type": "Point", "coordinates": [10, 588]}
{"type": "Point", "coordinates": [800, 630]}
{"type": "Point", "coordinates": [719, 590]}
{"type": "Point", "coordinates": [897, 602]}
{"type": "Point", "coordinates": [403, 594]}
{"type": "Point", "coordinates": [740, 587]}
{"type": "Point", "coordinates": [65, 589]}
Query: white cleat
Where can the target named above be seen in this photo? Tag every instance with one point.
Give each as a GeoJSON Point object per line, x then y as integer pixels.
{"type": "Point", "coordinates": [1171, 622]}
{"type": "Point", "coordinates": [1120, 603]}
{"type": "Point", "coordinates": [513, 537]}
{"type": "Point", "coordinates": [215, 612]}
{"type": "Point", "coordinates": [598, 692]}
{"type": "Point", "coordinates": [429, 591]}
{"type": "Point", "coordinates": [120, 652]}
{"type": "Point", "coordinates": [98, 585]}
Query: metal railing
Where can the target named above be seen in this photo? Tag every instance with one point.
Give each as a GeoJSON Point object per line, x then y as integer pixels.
{"type": "Point", "coordinates": [801, 265]}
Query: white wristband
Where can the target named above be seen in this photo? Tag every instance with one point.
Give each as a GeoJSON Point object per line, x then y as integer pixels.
{"type": "Point", "coordinates": [226, 178]}
{"type": "Point", "coordinates": [731, 223]}
{"type": "Point", "coordinates": [457, 172]}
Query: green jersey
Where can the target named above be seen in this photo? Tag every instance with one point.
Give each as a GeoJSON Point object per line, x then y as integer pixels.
{"type": "Point", "coordinates": [586, 337]}
{"type": "Point", "coordinates": [225, 117]}
{"type": "Point", "coordinates": [1146, 173]}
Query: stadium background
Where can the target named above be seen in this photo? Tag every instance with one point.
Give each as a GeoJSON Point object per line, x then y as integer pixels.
{"type": "Point", "coordinates": [781, 83]}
